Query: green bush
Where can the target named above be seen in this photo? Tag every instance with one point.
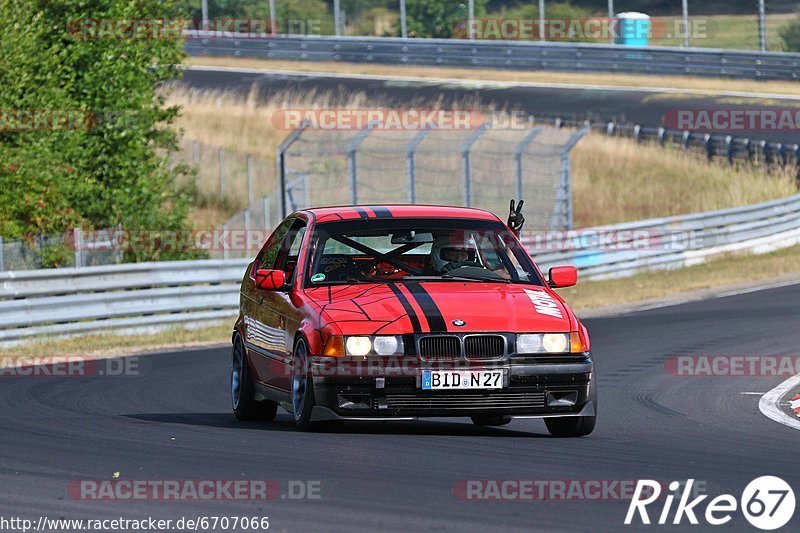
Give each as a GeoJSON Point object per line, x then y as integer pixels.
{"type": "Point", "coordinates": [790, 34]}
{"type": "Point", "coordinates": [439, 18]}
{"type": "Point", "coordinates": [109, 166]}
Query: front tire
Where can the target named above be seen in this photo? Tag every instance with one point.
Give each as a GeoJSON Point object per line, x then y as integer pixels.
{"type": "Point", "coordinates": [245, 406]}
{"type": "Point", "coordinates": [302, 388]}
{"type": "Point", "coordinates": [303, 400]}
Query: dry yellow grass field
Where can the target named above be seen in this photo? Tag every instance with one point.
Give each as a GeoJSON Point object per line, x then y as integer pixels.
{"type": "Point", "coordinates": [614, 179]}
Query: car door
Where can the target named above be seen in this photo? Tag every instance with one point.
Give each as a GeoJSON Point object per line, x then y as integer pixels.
{"type": "Point", "coordinates": [264, 333]}
{"type": "Point", "coordinates": [290, 315]}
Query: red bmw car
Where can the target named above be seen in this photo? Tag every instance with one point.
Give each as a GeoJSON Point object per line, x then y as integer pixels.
{"type": "Point", "coordinates": [404, 311]}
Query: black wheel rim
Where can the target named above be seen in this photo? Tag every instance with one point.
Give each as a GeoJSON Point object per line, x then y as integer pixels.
{"type": "Point", "coordinates": [299, 381]}
{"type": "Point", "coordinates": [237, 365]}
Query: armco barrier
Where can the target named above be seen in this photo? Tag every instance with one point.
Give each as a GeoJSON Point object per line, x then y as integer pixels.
{"type": "Point", "coordinates": [130, 297]}
{"type": "Point", "coordinates": [518, 55]}
{"type": "Point", "coordinates": [145, 296]}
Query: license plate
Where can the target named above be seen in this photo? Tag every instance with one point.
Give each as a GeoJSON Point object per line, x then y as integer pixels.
{"type": "Point", "coordinates": [462, 379]}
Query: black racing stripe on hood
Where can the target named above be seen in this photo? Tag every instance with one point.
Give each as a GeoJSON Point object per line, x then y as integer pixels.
{"type": "Point", "coordinates": [412, 315]}
{"type": "Point", "coordinates": [361, 212]}
{"type": "Point", "coordinates": [429, 308]}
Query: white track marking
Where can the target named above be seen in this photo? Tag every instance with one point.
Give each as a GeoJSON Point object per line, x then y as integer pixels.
{"type": "Point", "coordinates": [769, 404]}
{"type": "Point", "coordinates": [473, 84]}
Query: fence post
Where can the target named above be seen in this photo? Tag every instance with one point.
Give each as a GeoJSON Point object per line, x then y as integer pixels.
{"type": "Point", "coordinates": [637, 130]}
{"type": "Point", "coordinates": [662, 133]}
{"type": "Point", "coordinates": [709, 144]}
{"type": "Point", "coordinates": [249, 180]}
{"type": "Point", "coordinates": [225, 241]}
{"type": "Point", "coordinates": [118, 244]}
{"type": "Point", "coordinates": [518, 157]}
{"type": "Point", "coordinates": [564, 199]}
{"type": "Point", "coordinates": [687, 136]}
{"type": "Point", "coordinates": [797, 163]}
{"type": "Point", "coordinates": [411, 165]}
{"type": "Point", "coordinates": [729, 149]}
{"type": "Point", "coordinates": [466, 161]}
{"type": "Point", "coordinates": [267, 216]}
{"type": "Point", "coordinates": [765, 154]}
{"type": "Point", "coordinates": [78, 239]}
{"type": "Point", "coordinates": [610, 129]}
{"type": "Point", "coordinates": [280, 163]}
{"type": "Point", "coordinates": [403, 23]}
{"type": "Point", "coordinates": [2, 259]}
{"type": "Point", "coordinates": [222, 172]}
{"type": "Point", "coordinates": [352, 165]}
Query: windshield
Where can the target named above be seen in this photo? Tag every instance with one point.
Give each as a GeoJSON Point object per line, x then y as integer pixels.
{"type": "Point", "coordinates": [417, 249]}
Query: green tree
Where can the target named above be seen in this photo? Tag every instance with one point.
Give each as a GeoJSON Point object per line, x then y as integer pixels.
{"type": "Point", "coordinates": [791, 36]}
{"type": "Point", "coordinates": [440, 18]}
{"type": "Point", "coordinates": [109, 165]}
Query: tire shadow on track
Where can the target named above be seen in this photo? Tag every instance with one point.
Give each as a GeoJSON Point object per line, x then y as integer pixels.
{"type": "Point", "coordinates": [285, 423]}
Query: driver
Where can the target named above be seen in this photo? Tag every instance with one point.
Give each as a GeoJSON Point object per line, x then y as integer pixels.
{"type": "Point", "coordinates": [447, 255]}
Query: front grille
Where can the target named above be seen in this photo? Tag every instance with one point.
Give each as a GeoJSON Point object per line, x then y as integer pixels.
{"type": "Point", "coordinates": [440, 348]}
{"type": "Point", "coordinates": [467, 400]}
{"type": "Point", "coordinates": [483, 347]}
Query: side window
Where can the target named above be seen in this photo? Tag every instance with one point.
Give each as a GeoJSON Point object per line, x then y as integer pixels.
{"type": "Point", "coordinates": [291, 248]}
{"type": "Point", "coordinates": [269, 254]}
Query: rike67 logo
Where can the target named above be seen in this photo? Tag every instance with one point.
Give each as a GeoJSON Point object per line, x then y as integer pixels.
{"type": "Point", "coordinates": [767, 503]}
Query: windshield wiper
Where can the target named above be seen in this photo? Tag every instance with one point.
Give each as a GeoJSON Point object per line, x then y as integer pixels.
{"type": "Point", "coordinates": [454, 278]}
{"type": "Point", "coordinates": [367, 280]}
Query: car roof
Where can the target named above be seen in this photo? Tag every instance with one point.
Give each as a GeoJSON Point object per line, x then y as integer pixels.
{"type": "Point", "coordinates": [364, 212]}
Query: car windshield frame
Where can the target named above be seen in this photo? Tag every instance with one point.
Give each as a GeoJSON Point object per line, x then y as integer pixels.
{"type": "Point", "coordinates": [323, 232]}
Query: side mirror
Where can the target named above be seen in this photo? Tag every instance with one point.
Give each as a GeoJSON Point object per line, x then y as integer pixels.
{"type": "Point", "coordinates": [563, 276]}
{"type": "Point", "coordinates": [270, 280]}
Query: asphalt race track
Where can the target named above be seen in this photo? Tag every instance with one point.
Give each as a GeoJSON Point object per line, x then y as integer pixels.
{"type": "Point", "coordinates": [174, 422]}
{"type": "Point", "coordinates": [625, 106]}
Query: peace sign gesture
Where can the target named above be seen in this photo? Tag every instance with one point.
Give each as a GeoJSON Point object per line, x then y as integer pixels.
{"type": "Point", "coordinates": [515, 218]}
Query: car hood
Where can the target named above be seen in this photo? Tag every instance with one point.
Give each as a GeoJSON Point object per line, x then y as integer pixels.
{"type": "Point", "coordinates": [424, 307]}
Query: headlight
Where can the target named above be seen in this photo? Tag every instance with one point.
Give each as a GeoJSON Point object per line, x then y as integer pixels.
{"type": "Point", "coordinates": [534, 343]}
{"type": "Point", "coordinates": [358, 345]}
{"type": "Point", "coordinates": [382, 345]}
{"type": "Point", "coordinates": [388, 345]}
{"type": "Point", "coordinates": [555, 342]}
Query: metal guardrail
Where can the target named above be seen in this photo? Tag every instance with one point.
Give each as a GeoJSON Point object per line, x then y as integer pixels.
{"type": "Point", "coordinates": [515, 55]}
{"type": "Point", "coordinates": [130, 297]}
{"type": "Point", "coordinates": [714, 146]}
{"type": "Point", "coordinates": [671, 242]}
{"type": "Point", "coordinates": [148, 296]}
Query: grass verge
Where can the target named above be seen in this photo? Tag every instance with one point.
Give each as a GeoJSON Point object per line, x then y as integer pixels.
{"type": "Point", "coordinates": [586, 298]}
{"type": "Point", "coordinates": [109, 344]}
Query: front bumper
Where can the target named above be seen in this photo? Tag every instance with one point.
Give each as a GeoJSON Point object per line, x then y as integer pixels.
{"type": "Point", "coordinates": [532, 389]}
